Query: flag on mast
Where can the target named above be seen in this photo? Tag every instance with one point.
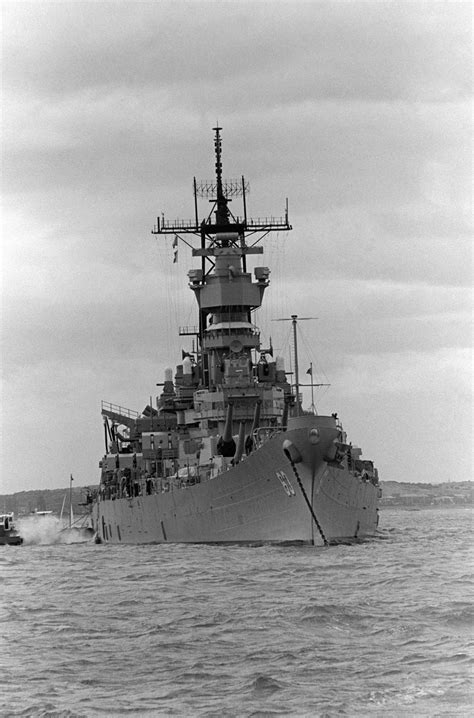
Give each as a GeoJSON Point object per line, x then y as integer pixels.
{"type": "Point", "coordinates": [310, 370]}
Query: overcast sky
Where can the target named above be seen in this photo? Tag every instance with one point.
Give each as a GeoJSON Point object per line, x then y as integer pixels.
{"type": "Point", "coordinates": [358, 112]}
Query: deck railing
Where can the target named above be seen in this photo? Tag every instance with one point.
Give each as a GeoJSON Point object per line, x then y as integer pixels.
{"type": "Point", "coordinates": [116, 409]}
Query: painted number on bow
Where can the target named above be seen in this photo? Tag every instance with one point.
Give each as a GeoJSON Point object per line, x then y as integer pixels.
{"type": "Point", "coordinates": [286, 483]}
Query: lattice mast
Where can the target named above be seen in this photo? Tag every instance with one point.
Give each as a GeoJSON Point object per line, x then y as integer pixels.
{"type": "Point", "coordinates": [221, 192]}
{"type": "Point", "coordinates": [224, 289]}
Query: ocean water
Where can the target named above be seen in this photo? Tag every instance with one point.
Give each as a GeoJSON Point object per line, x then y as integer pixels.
{"type": "Point", "coordinates": [379, 628]}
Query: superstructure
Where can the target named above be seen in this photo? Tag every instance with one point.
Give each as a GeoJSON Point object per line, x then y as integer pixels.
{"type": "Point", "coordinates": [226, 453]}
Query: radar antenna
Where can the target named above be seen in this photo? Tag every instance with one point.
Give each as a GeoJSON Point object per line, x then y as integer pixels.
{"type": "Point", "coordinates": [224, 228]}
{"type": "Point", "coordinates": [222, 212]}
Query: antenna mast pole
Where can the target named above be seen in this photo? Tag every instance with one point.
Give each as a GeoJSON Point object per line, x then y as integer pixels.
{"type": "Point", "coordinates": [222, 212]}
{"type": "Point", "coordinates": [294, 317]}
{"type": "Point", "coordinates": [313, 408]}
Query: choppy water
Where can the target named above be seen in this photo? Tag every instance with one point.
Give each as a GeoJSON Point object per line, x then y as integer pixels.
{"type": "Point", "coordinates": [382, 628]}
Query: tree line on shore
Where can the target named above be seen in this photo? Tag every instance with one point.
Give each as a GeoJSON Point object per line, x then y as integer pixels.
{"type": "Point", "coordinates": [394, 493]}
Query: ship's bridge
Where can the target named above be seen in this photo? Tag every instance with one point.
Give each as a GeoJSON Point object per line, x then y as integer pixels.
{"type": "Point", "coordinates": [238, 291]}
{"type": "Point", "coordinates": [235, 335]}
{"type": "Point", "coordinates": [228, 285]}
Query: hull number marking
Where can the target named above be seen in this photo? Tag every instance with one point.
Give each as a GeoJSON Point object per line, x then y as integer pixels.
{"type": "Point", "coordinates": [286, 483]}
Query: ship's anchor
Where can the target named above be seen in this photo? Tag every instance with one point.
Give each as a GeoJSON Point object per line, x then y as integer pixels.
{"type": "Point", "coordinates": [291, 452]}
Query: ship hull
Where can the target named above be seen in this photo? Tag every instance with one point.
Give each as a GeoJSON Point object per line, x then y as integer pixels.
{"type": "Point", "coordinates": [11, 540]}
{"type": "Point", "coordinates": [264, 499]}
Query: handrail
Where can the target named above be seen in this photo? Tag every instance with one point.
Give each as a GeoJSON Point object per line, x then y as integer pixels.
{"type": "Point", "coordinates": [262, 434]}
{"type": "Point", "coordinates": [116, 409]}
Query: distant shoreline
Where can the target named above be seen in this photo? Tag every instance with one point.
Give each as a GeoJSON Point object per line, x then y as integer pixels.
{"type": "Point", "coordinates": [423, 507]}
{"type": "Point", "coordinates": [417, 495]}
{"type": "Point", "coordinates": [395, 494]}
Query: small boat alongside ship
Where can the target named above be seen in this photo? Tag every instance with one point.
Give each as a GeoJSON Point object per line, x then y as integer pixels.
{"type": "Point", "coordinates": [9, 535]}
{"type": "Point", "coordinates": [76, 529]}
{"type": "Point", "coordinates": [227, 453]}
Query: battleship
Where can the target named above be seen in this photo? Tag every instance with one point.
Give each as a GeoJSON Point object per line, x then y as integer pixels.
{"type": "Point", "coordinates": [226, 453]}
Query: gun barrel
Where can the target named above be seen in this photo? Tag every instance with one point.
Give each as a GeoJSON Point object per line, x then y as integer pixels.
{"type": "Point", "coordinates": [240, 443]}
{"type": "Point", "coordinates": [226, 443]}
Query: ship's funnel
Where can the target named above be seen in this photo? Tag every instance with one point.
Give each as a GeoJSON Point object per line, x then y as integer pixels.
{"type": "Point", "coordinates": [168, 386]}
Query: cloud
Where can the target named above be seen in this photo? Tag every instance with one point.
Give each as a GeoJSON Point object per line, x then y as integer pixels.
{"type": "Point", "coordinates": [416, 405]}
{"type": "Point", "coordinates": [404, 372]}
{"type": "Point", "coordinates": [371, 245]}
{"type": "Point", "coordinates": [359, 112]}
{"type": "Point", "coordinates": [350, 50]}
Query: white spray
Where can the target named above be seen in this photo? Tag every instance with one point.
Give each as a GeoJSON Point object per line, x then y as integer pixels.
{"type": "Point", "coordinates": [47, 529]}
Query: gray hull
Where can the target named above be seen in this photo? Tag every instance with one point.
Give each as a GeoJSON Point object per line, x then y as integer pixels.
{"type": "Point", "coordinates": [258, 501]}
